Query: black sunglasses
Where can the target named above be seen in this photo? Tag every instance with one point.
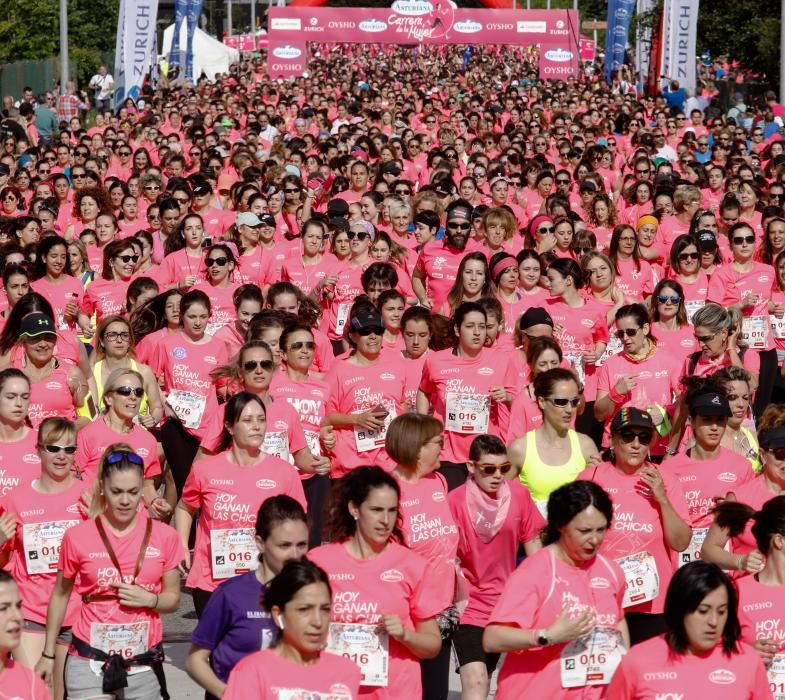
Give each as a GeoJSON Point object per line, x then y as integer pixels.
{"type": "Point", "coordinates": [300, 344]}
{"type": "Point", "coordinates": [683, 257]}
{"type": "Point", "coordinates": [628, 436]}
{"type": "Point", "coordinates": [373, 330]}
{"type": "Point", "coordinates": [216, 261]}
{"type": "Point", "coordinates": [359, 235]}
{"type": "Point", "coordinates": [266, 365]}
{"type": "Point", "coordinates": [629, 332]}
{"type": "Point", "coordinates": [458, 227]}
{"type": "Point", "coordinates": [127, 258]}
{"type": "Point", "coordinates": [743, 239]}
{"type": "Point", "coordinates": [138, 392]}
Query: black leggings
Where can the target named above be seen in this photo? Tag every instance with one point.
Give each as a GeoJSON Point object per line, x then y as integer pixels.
{"type": "Point", "coordinates": [317, 489]}
{"type": "Point", "coordinates": [200, 597]}
{"type": "Point", "coordinates": [180, 448]}
{"type": "Point", "coordinates": [644, 626]}
{"type": "Point", "coordinates": [435, 674]}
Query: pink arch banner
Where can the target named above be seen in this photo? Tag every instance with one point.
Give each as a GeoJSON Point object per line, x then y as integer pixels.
{"type": "Point", "coordinates": [412, 22]}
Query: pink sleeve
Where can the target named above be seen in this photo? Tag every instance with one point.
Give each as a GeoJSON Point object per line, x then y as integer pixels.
{"type": "Point", "coordinates": [761, 686]}
{"type": "Point", "coordinates": [192, 490]}
{"type": "Point", "coordinates": [295, 490]}
{"type": "Point", "coordinates": [172, 549]}
{"type": "Point", "coordinates": [426, 385]}
{"type": "Point", "coordinates": [719, 290]}
{"type": "Point", "coordinates": [520, 600]}
{"type": "Point", "coordinates": [751, 361]}
{"type": "Point", "coordinates": [69, 559]}
{"type": "Point", "coordinates": [423, 606]}
{"type": "Point", "coordinates": [88, 304]}
{"type": "Point", "coordinates": [532, 522]}
{"type": "Point", "coordinates": [600, 333]}
{"type": "Point", "coordinates": [297, 439]}
{"type": "Point", "coordinates": [604, 378]}
{"type": "Point", "coordinates": [333, 398]}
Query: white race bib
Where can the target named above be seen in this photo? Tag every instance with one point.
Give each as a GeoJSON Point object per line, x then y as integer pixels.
{"type": "Point", "coordinates": [277, 444]}
{"type": "Point", "coordinates": [41, 543]}
{"type": "Point", "coordinates": [693, 551]}
{"type": "Point", "coordinates": [643, 581]}
{"type": "Point", "coordinates": [366, 440]}
{"type": "Point", "coordinates": [364, 645]}
{"type": "Point", "coordinates": [693, 307]}
{"type": "Point", "coordinates": [614, 347]}
{"type": "Point", "coordinates": [592, 660]}
{"type": "Point", "coordinates": [188, 407]}
{"type": "Point", "coordinates": [232, 552]}
{"type": "Point", "coordinates": [776, 673]}
{"type": "Point", "coordinates": [468, 414]}
{"type": "Point", "coordinates": [342, 316]}
{"type": "Point", "coordinates": [303, 694]}
{"type": "Point", "coordinates": [576, 360]}
{"type": "Point", "coordinates": [777, 326]}
{"type": "Point", "coordinates": [213, 328]}
{"type": "Point", "coordinates": [313, 442]}
{"type": "Point", "coordinates": [126, 640]}
{"type": "Point", "coordinates": [755, 330]}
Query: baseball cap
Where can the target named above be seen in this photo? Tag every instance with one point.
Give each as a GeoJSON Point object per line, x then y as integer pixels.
{"type": "Point", "coordinates": [707, 240]}
{"type": "Point", "coordinates": [339, 223]}
{"type": "Point", "coordinates": [337, 207]}
{"type": "Point", "coordinates": [248, 218]}
{"type": "Point", "coordinates": [36, 324]}
{"type": "Point", "coordinates": [534, 316]}
{"type": "Point", "coordinates": [709, 403]}
{"type": "Point", "coordinates": [267, 220]}
{"type": "Point", "coordinates": [202, 188]}
{"type": "Point", "coordinates": [368, 318]}
{"type": "Point", "coordinates": [630, 417]}
{"type": "Point", "coordinates": [587, 186]}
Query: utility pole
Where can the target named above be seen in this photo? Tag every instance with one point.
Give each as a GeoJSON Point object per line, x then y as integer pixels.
{"type": "Point", "coordinates": [64, 44]}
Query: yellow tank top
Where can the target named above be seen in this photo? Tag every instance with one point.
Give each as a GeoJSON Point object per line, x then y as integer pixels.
{"type": "Point", "coordinates": [99, 383]}
{"type": "Point", "coordinates": [543, 479]}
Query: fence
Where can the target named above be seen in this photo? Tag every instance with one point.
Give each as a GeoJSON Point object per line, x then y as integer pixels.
{"type": "Point", "coordinates": [40, 75]}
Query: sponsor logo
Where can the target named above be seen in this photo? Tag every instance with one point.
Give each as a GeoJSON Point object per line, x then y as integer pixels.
{"type": "Point", "coordinates": [31, 459]}
{"type": "Point", "coordinates": [620, 31]}
{"type": "Point", "coordinates": [341, 577]}
{"type": "Point", "coordinates": [387, 377]}
{"type": "Point", "coordinates": [500, 26]}
{"type": "Point", "coordinates": [391, 576]}
{"type": "Point", "coordinates": [560, 24]}
{"type": "Point", "coordinates": [340, 689]}
{"type": "Point", "coordinates": [221, 482]}
{"type": "Point", "coordinates": [358, 635]}
{"type": "Point", "coordinates": [587, 322]}
{"type": "Point", "coordinates": [485, 371]}
{"type": "Point", "coordinates": [291, 23]}
{"type": "Point", "coordinates": [28, 513]}
{"type": "Point", "coordinates": [621, 13]}
{"type": "Point", "coordinates": [314, 21]}
{"type": "Point", "coordinates": [97, 555]}
{"type": "Point", "coordinates": [293, 67]}
{"type": "Point", "coordinates": [439, 496]}
{"type": "Point", "coordinates": [727, 477]}
{"type": "Point", "coordinates": [287, 52]}
{"type": "Point", "coordinates": [120, 635]}
{"type": "Point", "coordinates": [341, 25]}
{"type": "Point", "coordinates": [599, 582]}
{"type": "Point", "coordinates": [412, 7]}
{"type": "Point", "coordinates": [722, 676]}
{"type": "Point", "coordinates": [74, 509]}
{"type": "Point", "coordinates": [525, 27]}
{"type": "Point", "coordinates": [660, 676]}
{"type": "Point", "coordinates": [179, 353]}
{"type": "Point", "coordinates": [152, 553]}
{"type": "Point", "coordinates": [52, 531]}
{"type": "Point", "coordinates": [266, 484]}
{"type": "Point", "coordinates": [559, 56]}
{"type": "Point", "coordinates": [467, 26]}
{"type": "Point", "coordinates": [372, 26]}
{"type": "Point", "coordinates": [240, 537]}
{"type": "Point", "coordinates": [54, 386]}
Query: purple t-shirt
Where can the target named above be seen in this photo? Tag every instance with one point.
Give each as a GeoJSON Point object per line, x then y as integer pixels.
{"type": "Point", "coordinates": [233, 624]}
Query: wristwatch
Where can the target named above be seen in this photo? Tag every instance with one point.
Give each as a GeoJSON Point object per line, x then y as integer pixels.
{"type": "Point", "coordinates": [543, 639]}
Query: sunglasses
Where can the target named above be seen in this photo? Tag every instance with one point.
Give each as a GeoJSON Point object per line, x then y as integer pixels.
{"type": "Point", "coordinates": [181, 201]}
{"type": "Point", "coordinates": [491, 469]}
{"type": "Point", "coordinates": [458, 227]}
{"type": "Point", "coordinates": [562, 403]}
{"type": "Point", "coordinates": [741, 240]}
{"type": "Point", "coordinates": [78, 176]}
{"type": "Point", "coordinates": [546, 229]}
{"type": "Point", "coordinates": [127, 258]}
{"type": "Point", "coordinates": [705, 338]}
{"type": "Point", "coordinates": [404, 192]}
{"type": "Point", "coordinates": [266, 365]}
{"type": "Point", "coordinates": [583, 251]}
{"type": "Point", "coordinates": [628, 436]}
{"type": "Point", "coordinates": [629, 332]}
{"type": "Point", "coordinates": [124, 153]}
{"type": "Point", "coordinates": [291, 190]}
{"type": "Point", "coordinates": [216, 261]}
{"type": "Point", "coordinates": [479, 174]}
{"type": "Point", "coordinates": [642, 172]}
{"type": "Point", "coordinates": [300, 344]}
{"type": "Point", "coordinates": [152, 188]}
{"type": "Point", "coordinates": [117, 457]}
{"type": "Point", "coordinates": [56, 449]}
{"type": "Point", "coordinates": [664, 299]}
{"type": "Point", "coordinates": [562, 182]}
{"type": "Point", "coordinates": [136, 391]}
{"type": "Point", "coordinates": [778, 452]}
{"type": "Point", "coordinates": [684, 257]}
{"type": "Point", "coordinates": [359, 235]}
{"type": "Point", "coordinates": [373, 330]}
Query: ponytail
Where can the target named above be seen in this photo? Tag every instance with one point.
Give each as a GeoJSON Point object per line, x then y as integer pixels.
{"type": "Point", "coordinates": [767, 522]}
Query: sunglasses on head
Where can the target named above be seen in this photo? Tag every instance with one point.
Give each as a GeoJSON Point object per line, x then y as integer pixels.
{"type": "Point", "coordinates": [300, 344]}
{"type": "Point", "coordinates": [562, 403]}
{"type": "Point", "coordinates": [128, 258]}
{"type": "Point", "coordinates": [251, 365]}
{"type": "Point", "coordinates": [741, 240]}
{"type": "Point", "coordinates": [137, 391]}
{"type": "Point", "coordinates": [684, 257]}
{"type": "Point", "coordinates": [491, 469]}
{"type": "Point", "coordinates": [628, 436]}
{"type": "Point", "coordinates": [220, 262]}
{"type": "Point", "coordinates": [117, 457]}
{"type": "Point", "coordinates": [56, 449]}
{"type": "Point", "coordinates": [629, 332]}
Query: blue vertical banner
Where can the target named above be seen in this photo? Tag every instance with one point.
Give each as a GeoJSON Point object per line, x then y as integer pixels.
{"type": "Point", "coordinates": [619, 17]}
{"type": "Point", "coordinates": [192, 13]}
{"type": "Point", "coordinates": [179, 16]}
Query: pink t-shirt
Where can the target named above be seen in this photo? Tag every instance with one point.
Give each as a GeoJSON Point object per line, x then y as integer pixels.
{"type": "Point", "coordinates": [486, 566]}
{"type": "Point", "coordinates": [652, 670]}
{"type": "Point", "coordinates": [633, 282]}
{"type": "Point", "coordinates": [533, 598]}
{"type": "Point", "coordinates": [94, 438]}
{"type": "Point", "coordinates": [69, 291]}
{"type": "Point", "coordinates": [267, 676]}
{"type": "Point", "coordinates": [637, 525]}
{"type": "Point", "coordinates": [347, 288]}
{"type": "Point", "coordinates": [41, 521]}
{"type": "Point", "coordinates": [51, 397]}
{"type": "Point", "coordinates": [251, 265]}
{"type": "Point", "coordinates": [354, 389]}
{"type": "Point", "coordinates": [83, 557]}
{"type": "Point", "coordinates": [760, 610]}
{"type": "Point", "coordinates": [306, 277]}
{"type": "Point", "coordinates": [20, 464]}
{"type": "Point", "coordinates": [677, 342]}
{"type": "Point", "coordinates": [229, 497]}
{"type": "Point", "coordinates": [177, 266]}
{"type": "Point", "coordinates": [705, 367]}
{"type": "Point", "coordinates": [105, 298]}
{"type": "Point", "coordinates": [221, 303]}
{"type": "Point", "coordinates": [18, 682]}
{"type": "Point", "coordinates": [397, 582]}
{"type": "Point", "coordinates": [459, 391]}
{"type": "Point", "coordinates": [428, 529]}
{"type": "Point", "coordinates": [410, 370]}
{"type": "Point", "coordinates": [231, 337]}
{"type": "Point", "coordinates": [438, 263]}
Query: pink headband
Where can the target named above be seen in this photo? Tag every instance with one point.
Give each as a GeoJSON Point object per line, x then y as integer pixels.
{"type": "Point", "coordinates": [503, 264]}
{"type": "Point", "coordinates": [536, 221]}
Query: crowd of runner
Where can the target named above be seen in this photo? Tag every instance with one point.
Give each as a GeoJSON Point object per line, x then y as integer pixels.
{"type": "Point", "coordinates": [411, 359]}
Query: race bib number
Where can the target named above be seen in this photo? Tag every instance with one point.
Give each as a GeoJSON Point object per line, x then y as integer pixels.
{"type": "Point", "coordinates": [126, 640]}
{"type": "Point", "coordinates": [592, 660]}
{"type": "Point", "coordinates": [614, 347]}
{"type": "Point", "coordinates": [277, 444]}
{"type": "Point", "coordinates": [468, 414]}
{"type": "Point", "coordinates": [693, 551]}
{"type": "Point", "coordinates": [41, 543]}
{"type": "Point", "coordinates": [342, 317]}
{"type": "Point", "coordinates": [692, 307]}
{"type": "Point", "coordinates": [776, 674]}
{"type": "Point", "coordinates": [777, 327]}
{"type": "Point", "coordinates": [576, 360]}
{"type": "Point", "coordinates": [232, 552]}
{"type": "Point", "coordinates": [213, 328]}
{"type": "Point", "coordinates": [755, 330]}
{"type": "Point", "coordinates": [366, 439]}
{"type": "Point", "coordinates": [313, 442]}
{"type": "Point", "coordinates": [643, 581]}
{"type": "Point", "coordinates": [364, 645]}
{"type": "Point", "coordinates": [188, 407]}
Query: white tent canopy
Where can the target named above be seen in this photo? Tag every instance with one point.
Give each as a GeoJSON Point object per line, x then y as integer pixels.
{"type": "Point", "coordinates": [210, 55]}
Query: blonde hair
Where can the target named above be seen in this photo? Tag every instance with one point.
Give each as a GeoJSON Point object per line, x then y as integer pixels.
{"type": "Point", "coordinates": [98, 502]}
{"type": "Point", "coordinates": [112, 382]}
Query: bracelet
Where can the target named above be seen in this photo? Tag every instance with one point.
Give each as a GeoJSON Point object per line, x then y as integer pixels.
{"type": "Point", "coordinates": [153, 607]}
{"type": "Point", "coordinates": [51, 657]}
{"type": "Point", "coordinates": [616, 397]}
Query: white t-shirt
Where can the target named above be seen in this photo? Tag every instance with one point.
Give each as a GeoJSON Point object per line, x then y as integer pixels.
{"type": "Point", "coordinates": [103, 85]}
